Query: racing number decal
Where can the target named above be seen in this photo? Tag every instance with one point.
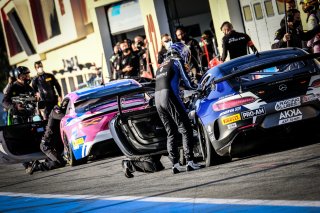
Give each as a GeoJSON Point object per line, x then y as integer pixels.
{"type": "Point", "coordinates": [231, 119]}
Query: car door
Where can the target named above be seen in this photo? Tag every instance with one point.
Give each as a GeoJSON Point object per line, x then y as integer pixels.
{"type": "Point", "coordinates": [21, 142]}
{"type": "Point", "coordinates": [138, 131]}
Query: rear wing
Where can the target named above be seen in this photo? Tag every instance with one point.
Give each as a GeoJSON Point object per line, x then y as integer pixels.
{"type": "Point", "coordinates": [239, 73]}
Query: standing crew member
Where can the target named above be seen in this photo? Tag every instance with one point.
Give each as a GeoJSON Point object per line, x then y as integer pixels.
{"type": "Point", "coordinates": [170, 106]}
{"type": "Point", "coordinates": [20, 86]}
{"type": "Point", "coordinates": [129, 62]}
{"type": "Point", "coordinates": [45, 85]}
{"type": "Point", "coordinates": [295, 35]}
{"type": "Point", "coordinates": [234, 42]}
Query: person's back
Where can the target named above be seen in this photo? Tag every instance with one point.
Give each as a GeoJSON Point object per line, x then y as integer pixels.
{"type": "Point", "coordinates": [234, 42]}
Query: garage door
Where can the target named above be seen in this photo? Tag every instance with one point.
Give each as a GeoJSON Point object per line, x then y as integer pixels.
{"type": "Point", "coordinates": [261, 20]}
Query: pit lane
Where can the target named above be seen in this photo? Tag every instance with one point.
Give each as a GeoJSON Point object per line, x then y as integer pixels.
{"type": "Point", "coordinates": [284, 178]}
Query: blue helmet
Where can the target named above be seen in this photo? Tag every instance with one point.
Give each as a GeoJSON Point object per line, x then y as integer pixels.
{"type": "Point", "coordinates": [182, 50]}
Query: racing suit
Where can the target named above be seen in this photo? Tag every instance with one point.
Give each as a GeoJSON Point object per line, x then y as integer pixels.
{"type": "Point", "coordinates": [45, 85]}
{"type": "Point", "coordinates": [51, 144]}
{"type": "Point", "coordinates": [171, 109]}
{"type": "Point", "coordinates": [236, 43]}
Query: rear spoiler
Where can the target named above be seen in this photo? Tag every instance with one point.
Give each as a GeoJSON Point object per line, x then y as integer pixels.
{"type": "Point", "coordinates": [267, 65]}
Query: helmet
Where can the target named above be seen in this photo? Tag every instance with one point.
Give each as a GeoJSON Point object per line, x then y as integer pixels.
{"type": "Point", "coordinates": [20, 70]}
{"type": "Point", "coordinates": [310, 5]}
{"type": "Point", "coordinates": [182, 50]}
{"type": "Point", "coordinates": [11, 73]}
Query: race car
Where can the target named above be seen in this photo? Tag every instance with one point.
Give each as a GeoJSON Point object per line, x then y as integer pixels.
{"type": "Point", "coordinates": [256, 96]}
{"type": "Point", "coordinates": [244, 99]}
{"type": "Point", "coordinates": [85, 127]}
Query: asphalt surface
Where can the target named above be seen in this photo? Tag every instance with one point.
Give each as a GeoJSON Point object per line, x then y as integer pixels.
{"type": "Point", "coordinates": [292, 173]}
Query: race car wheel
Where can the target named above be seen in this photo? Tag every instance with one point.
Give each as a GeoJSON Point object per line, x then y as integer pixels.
{"type": "Point", "coordinates": [205, 145]}
{"type": "Point", "coordinates": [70, 156]}
{"type": "Point", "coordinates": [209, 154]}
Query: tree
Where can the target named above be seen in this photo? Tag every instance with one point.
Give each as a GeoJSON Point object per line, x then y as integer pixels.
{"type": "Point", "coordinates": [4, 63]}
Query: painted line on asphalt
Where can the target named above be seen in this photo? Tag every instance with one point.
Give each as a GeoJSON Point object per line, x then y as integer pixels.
{"type": "Point", "coordinates": [12, 202]}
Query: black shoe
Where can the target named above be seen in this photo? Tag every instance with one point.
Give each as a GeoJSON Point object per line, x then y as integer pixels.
{"type": "Point", "coordinates": [191, 166]}
{"type": "Point", "coordinates": [33, 167]}
{"type": "Point", "coordinates": [176, 168]}
{"type": "Point", "coordinates": [126, 169]}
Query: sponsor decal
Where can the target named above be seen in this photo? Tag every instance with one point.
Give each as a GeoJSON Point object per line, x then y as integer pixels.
{"type": "Point", "coordinates": [289, 103]}
{"type": "Point", "coordinates": [308, 98]}
{"type": "Point", "coordinates": [226, 96]}
{"type": "Point", "coordinates": [236, 109]}
{"type": "Point", "coordinates": [253, 113]}
{"type": "Point", "coordinates": [231, 119]}
{"type": "Point", "coordinates": [289, 116]}
{"type": "Point", "coordinates": [232, 126]}
{"type": "Point", "coordinates": [78, 142]}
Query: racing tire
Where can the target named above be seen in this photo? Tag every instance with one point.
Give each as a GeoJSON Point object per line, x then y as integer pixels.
{"type": "Point", "coordinates": [210, 156]}
{"type": "Point", "coordinates": [71, 160]}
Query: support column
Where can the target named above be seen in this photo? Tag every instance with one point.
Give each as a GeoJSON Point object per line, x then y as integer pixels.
{"type": "Point", "coordinates": [155, 24]}
{"type": "Point", "coordinates": [225, 10]}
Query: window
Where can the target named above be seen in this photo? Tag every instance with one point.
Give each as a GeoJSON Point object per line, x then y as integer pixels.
{"type": "Point", "coordinates": [247, 13]}
{"type": "Point", "coordinates": [258, 11]}
{"type": "Point", "coordinates": [45, 19]}
{"type": "Point", "coordinates": [280, 7]}
{"type": "Point", "coordinates": [269, 8]}
{"type": "Point", "coordinates": [71, 84]}
{"type": "Point", "coordinates": [13, 43]}
{"type": "Point", "coordinates": [64, 86]}
{"type": "Point", "coordinates": [20, 32]}
{"type": "Point", "coordinates": [80, 79]}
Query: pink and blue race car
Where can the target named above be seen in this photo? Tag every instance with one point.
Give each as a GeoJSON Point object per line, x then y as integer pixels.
{"type": "Point", "coordinates": [85, 127]}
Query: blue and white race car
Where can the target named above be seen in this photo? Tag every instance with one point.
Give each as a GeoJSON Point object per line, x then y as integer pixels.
{"type": "Point", "coordinates": [253, 96]}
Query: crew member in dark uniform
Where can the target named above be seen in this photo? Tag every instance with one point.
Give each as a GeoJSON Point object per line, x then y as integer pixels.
{"type": "Point", "coordinates": [295, 35]}
{"type": "Point", "coordinates": [45, 85]}
{"type": "Point", "coordinates": [170, 106]}
{"type": "Point", "coordinates": [51, 144]}
{"type": "Point", "coordinates": [195, 49]}
{"type": "Point", "coordinates": [236, 43]}
{"type": "Point", "coordinates": [20, 86]}
{"type": "Point", "coordinates": [148, 164]}
{"type": "Point", "coordinates": [129, 62]}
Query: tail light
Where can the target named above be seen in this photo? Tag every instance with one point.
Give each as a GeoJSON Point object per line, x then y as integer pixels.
{"type": "Point", "coordinates": [232, 103]}
{"type": "Point", "coordinates": [90, 122]}
{"type": "Point", "coordinates": [316, 83]}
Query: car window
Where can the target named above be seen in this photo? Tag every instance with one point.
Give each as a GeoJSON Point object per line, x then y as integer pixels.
{"type": "Point", "coordinates": [134, 100]}
{"type": "Point", "coordinates": [271, 71]}
{"type": "Point", "coordinates": [96, 103]}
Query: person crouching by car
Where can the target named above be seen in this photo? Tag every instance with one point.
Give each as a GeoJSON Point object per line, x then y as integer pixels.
{"type": "Point", "coordinates": [148, 164]}
{"type": "Point", "coordinates": [170, 106]}
{"type": "Point", "coordinates": [51, 144]}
